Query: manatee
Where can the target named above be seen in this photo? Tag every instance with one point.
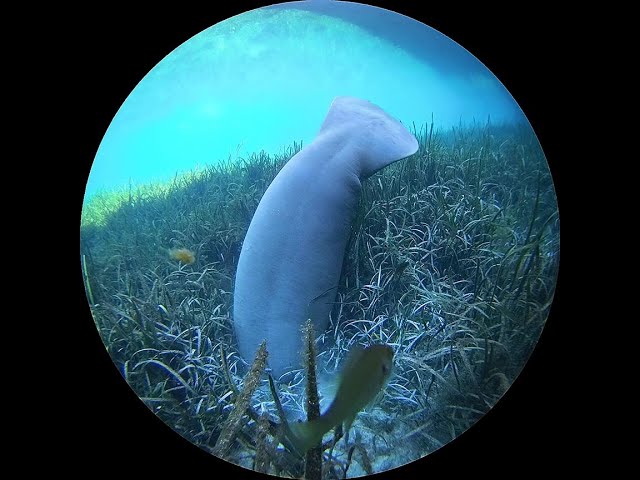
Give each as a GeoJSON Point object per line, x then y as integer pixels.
{"type": "Point", "coordinates": [291, 257]}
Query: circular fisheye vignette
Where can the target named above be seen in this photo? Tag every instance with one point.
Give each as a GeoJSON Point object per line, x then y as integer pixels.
{"type": "Point", "coordinates": [311, 225]}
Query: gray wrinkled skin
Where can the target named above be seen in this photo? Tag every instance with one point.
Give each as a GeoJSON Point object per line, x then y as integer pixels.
{"type": "Point", "coordinates": [291, 258]}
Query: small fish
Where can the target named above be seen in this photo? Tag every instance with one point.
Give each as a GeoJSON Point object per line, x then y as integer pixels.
{"type": "Point", "coordinates": [363, 377]}
{"type": "Point", "coordinates": [183, 255]}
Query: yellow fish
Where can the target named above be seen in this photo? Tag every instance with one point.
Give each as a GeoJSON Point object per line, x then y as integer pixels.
{"type": "Point", "coordinates": [183, 255]}
{"type": "Point", "coordinates": [363, 376]}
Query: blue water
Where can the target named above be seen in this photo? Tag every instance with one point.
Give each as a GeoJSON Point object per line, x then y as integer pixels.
{"type": "Point", "coordinates": [264, 79]}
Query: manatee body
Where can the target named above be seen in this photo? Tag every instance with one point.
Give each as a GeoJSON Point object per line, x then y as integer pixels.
{"type": "Point", "coordinates": [291, 258]}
